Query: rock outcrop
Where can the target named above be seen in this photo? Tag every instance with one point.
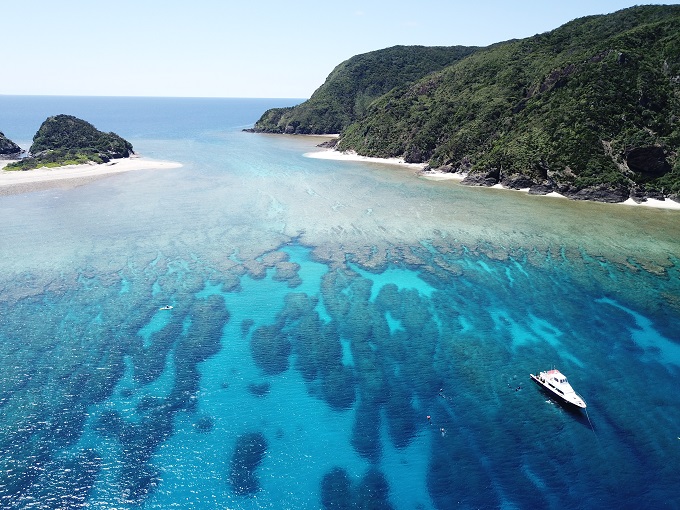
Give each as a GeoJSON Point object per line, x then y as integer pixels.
{"type": "Point", "coordinates": [610, 193]}
{"type": "Point", "coordinates": [65, 139]}
{"type": "Point", "coordinates": [8, 149]}
{"type": "Point", "coordinates": [69, 133]}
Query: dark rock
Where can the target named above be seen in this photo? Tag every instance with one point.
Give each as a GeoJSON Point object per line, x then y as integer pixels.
{"type": "Point", "coordinates": [482, 179]}
{"type": "Point", "coordinates": [329, 144]}
{"type": "Point", "coordinates": [541, 189]}
{"type": "Point", "coordinates": [640, 194]}
{"type": "Point", "coordinates": [517, 181]}
{"type": "Point", "coordinates": [648, 162]}
{"type": "Point", "coordinates": [8, 148]}
{"type": "Point", "coordinates": [658, 195]}
{"type": "Point", "coordinates": [494, 174]}
{"type": "Point", "coordinates": [448, 169]}
{"type": "Point", "coordinates": [601, 193]}
{"type": "Point", "coordinates": [464, 166]}
{"type": "Point", "coordinates": [555, 79]}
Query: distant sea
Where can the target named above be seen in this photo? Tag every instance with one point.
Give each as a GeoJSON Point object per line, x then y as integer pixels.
{"type": "Point", "coordinates": [342, 334]}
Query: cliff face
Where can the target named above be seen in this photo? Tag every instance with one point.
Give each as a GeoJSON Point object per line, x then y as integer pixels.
{"type": "Point", "coordinates": [64, 139]}
{"type": "Point", "coordinates": [8, 148]}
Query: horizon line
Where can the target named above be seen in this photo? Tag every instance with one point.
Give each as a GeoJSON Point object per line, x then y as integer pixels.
{"type": "Point", "coordinates": [150, 97]}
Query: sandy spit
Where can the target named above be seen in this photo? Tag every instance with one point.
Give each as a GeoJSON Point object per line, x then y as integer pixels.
{"type": "Point", "coordinates": [15, 182]}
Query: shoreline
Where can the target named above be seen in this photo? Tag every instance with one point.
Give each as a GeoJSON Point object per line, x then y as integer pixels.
{"type": "Point", "coordinates": [435, 175]}
{"type": "Point", "coordinates": [352, 156]}
{"type": "Point", "coordinates": [24, 181]}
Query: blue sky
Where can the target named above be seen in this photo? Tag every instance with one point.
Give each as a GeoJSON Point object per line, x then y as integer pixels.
{"type": "Point", "coordinates": [255, 48]}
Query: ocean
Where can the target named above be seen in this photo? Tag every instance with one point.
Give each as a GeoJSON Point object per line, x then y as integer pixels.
{"type": "Point", "coordinates": [342, 334]}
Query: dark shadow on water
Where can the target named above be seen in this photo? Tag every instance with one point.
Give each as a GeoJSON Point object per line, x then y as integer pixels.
{"type": "Point", "coordinates": [249, 452]}
{"type": "Point", "coordinates": [577, 414]}
{"type": "Point", "coordinates": [259, 389]}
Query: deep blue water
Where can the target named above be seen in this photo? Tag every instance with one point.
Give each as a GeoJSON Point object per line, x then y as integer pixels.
{"type": "Point", "coordinates": [137, 117]}
{"type": "Point", "coordinates": [322, 310]}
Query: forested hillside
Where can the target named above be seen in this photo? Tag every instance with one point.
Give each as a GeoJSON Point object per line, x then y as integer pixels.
{"type": "Point", "coordinates": [65, 139]}
{"type": "Point", "coordinates": [593, 105]}
{"type": "Point", "coordinates": [590, 109]}
{"type": "Point", "coordinates": [354, 84]}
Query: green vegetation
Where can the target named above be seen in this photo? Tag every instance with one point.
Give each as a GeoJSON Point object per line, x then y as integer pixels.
{"type": "Point", "coordinates": [594, 102]}
{"type": "Point", "coordinates": [8, 147]}
{"type": "Point", "coordinates": [593, 105]}
{"type": "Point", "coordinates": [354, 84]}
{"type": "Point", "coordinates": [54, 158]}
{"type": "Point", "coordinates": [67, 140]}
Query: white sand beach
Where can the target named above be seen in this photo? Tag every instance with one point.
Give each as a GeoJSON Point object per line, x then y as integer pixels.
{"type": "Point", "coordinates": [435, 175]}
{"type": "Point", "coordinates": [653, 202]}
{"type": "Point", "coordinates": [352, 156]}
{"type": "Point", "coordinates": [13, 182]}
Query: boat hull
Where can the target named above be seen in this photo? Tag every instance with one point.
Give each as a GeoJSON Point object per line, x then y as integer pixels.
{"type": "Point", "coordinates": [576, 404]}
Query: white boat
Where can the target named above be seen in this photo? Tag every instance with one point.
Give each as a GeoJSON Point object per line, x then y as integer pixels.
{"type": "Point", "coordinates": [166, 307]}
{"type": "Point", "coordinates": [555, 382]}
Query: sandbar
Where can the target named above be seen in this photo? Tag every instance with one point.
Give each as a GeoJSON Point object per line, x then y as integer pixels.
{"type": "Point", "coordinates": [24, 181]}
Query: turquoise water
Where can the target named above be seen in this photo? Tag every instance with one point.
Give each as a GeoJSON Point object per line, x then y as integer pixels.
{"type": "Point", "coordinates": [322, 310]}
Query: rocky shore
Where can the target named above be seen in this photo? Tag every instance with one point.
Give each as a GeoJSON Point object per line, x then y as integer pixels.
{"type": "Point", "coordinates": [495, 178]}
{"type": "Point", "coordinates": [8, 149]}
{"type": "Point", "coordinates": [599, 193]}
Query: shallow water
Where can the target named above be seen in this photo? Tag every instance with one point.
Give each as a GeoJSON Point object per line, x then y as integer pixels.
{"type": "Point", "coordinates": [321, 311]}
